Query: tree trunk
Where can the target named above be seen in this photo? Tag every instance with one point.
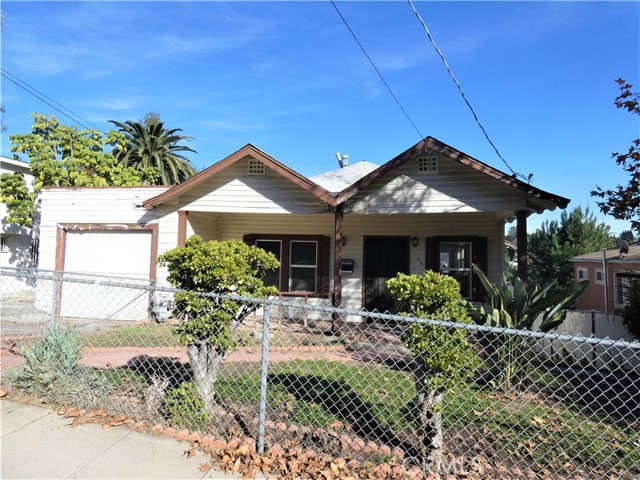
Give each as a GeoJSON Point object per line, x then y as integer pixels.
{"type": "Point", "coordinates": [205, 365]}
{"type": "Point", "coordinates": [429, 404]}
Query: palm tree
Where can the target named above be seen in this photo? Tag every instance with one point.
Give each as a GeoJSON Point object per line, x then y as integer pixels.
{"type": "Point", "coordinates": [150, 144]}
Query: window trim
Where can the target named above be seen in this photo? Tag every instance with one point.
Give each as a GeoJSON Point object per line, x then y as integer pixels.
{"type": "Point", "coordinates": [322, 261]}
{"type": "Point", "coordinates": [595, 276]}
{"type": "Point", "coordinates": [581, 270]}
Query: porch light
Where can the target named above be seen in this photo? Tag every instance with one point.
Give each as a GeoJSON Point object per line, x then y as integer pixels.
{"type": "Point", "coordinates": [414, 241]}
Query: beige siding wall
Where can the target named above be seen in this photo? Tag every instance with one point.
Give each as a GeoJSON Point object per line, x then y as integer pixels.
{"type": "Point", "coordinates": [455, 188]}
{"type": "Point", "coordinates": [356, 227]}
{"type": "Point", "coordinates": [111, 205]}
{"type": "Point", "coordinates": [233, 190]}
{"type": "Point", "coordinates": [100, 206]}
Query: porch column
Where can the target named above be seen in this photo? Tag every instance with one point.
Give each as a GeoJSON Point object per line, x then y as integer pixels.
{"type": "Point", "coordinates": [182, 227]}
{"type": "Point", "coordinates": [337, 269]}
{"type": "Point", "coordinates": [521, 239]}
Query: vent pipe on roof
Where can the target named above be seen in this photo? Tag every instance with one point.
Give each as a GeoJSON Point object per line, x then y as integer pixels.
{"type": "Point", "coordinates": [343, 160]}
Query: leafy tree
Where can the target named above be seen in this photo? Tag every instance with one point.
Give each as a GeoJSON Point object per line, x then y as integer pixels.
{"type": "Point", "coordinates": [443, 357]}
{"type": "Point", "coordinates": [211, 274]}
{"type": "Point", "coordinates": [627, 235]}
{"type": "Point", "coordinates": [150, 144]}
{"type": "Point", "coordinates": [552, 246]}
{"type": "Point", "coordinates": [61, 155]}
{"type": "Point", "coordinates": [15, 193]}
{"type": "Point", "coordinates": [623, 202]}
{"type": "Point", "coordinates": [514, 306]}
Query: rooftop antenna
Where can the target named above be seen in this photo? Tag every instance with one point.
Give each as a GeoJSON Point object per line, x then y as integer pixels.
{"type": "Point", "coordinates": [623, 246]}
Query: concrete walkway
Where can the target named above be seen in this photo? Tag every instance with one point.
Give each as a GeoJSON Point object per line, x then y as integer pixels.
{"type": "Point", "coordinates": [38, 443]}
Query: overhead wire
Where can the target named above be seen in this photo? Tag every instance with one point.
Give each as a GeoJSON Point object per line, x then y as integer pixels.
{"type": "Point", "coordinates": [29, 89]}
{"type": "Point", "coordinates": [377, 71]}
{"type": "Point", "coordinates": [475, 116]}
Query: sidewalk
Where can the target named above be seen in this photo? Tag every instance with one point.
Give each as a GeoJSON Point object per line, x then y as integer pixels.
{"type": "Point", "coordinates": [38, 443]}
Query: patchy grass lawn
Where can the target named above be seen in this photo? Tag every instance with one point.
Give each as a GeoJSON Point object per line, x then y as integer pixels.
{"type": "Point", "coordinates": [377, 403]}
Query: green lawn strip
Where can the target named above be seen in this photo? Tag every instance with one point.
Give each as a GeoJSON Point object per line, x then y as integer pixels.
{"type": "Point", "coordinates": [161, 335]}
{"type": "Point", "coordinates": [378, 401]}
{"type": "Point", "coordinates": [318, 393]}
{"type": "Point", "coordinates": [140, 335]}
{"type": "Point", "coordinates": [546, 432]}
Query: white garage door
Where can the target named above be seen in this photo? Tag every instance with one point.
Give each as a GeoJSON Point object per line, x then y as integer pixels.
{"type": "Point", "coordinates": [114, 255]}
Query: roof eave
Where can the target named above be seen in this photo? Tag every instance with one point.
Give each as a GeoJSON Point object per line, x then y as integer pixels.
{"type": "Point", "coordinates": [247, 150]}
{"type": "Point", "coordinates": [540, 200]}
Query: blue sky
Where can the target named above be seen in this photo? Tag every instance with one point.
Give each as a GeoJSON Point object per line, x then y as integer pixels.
{"type": "Point", "coordinates": [289, 78]}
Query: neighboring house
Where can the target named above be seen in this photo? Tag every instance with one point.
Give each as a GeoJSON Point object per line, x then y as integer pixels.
{"type": "Point", "coordinates": [15, 240]}
{"type": "Point", "coordinates": [339, 236]}
{"type": "Point", "coordinates": [619, 269]}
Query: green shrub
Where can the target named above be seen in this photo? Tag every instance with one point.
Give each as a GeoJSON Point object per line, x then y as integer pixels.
{"type": "Point", "coordinates": [49, 362]}
{"type": "Point", "coordinates": [185, 408]}
{"type": "Point", "coordinates": [443, 356]}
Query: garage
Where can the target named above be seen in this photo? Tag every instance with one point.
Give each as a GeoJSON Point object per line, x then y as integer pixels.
{"type": "Point", "coordinates": [108, 253]}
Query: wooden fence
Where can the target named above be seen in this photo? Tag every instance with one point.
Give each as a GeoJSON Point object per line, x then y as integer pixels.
{"type": "Point", "coordinates": [576, 353]}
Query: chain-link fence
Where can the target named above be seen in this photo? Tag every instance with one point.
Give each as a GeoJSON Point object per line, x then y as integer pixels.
{"type": "Point", "coordinates": [337, 382]}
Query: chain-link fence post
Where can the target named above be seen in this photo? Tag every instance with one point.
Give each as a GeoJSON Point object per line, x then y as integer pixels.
{"type": "Point", "coordinates": [56, 286]}
{"type": "Point", "coordinates": [263, 375]}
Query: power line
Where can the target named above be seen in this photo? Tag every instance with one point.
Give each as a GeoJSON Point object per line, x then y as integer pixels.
{"type": "Point", "coordinates": [29, 89]}
{"type": "Point", "coordinates": [377, 71]}
{"type": "Point", "coordinates": [426, 29]}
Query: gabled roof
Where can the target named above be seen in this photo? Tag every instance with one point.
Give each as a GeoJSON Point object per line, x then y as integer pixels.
{"type": "Point", "coordinates": [337, 180]}
{"type": "Point", "coordinates": [246, 151]}
{"type": "Point", "coordinates": [613, 255]}
{"type": "Point", "coordinates": [354, 178]}
{"type": "Point", "coordinates": [541, 200]}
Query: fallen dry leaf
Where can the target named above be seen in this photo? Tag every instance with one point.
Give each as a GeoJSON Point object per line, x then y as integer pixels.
{"type": "Point", "coordinates": [189, 453]}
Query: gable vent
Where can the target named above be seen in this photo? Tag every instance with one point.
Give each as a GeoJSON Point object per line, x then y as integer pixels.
{"type": "Point", "coordinates": [255, 167]}
{"type": "Point", "coordinates": [427, 164]}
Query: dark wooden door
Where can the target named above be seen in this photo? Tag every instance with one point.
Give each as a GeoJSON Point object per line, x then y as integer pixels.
{"type": "Point", "coordinates": [384, 258]}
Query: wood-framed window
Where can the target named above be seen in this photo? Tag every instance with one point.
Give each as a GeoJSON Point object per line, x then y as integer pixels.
{"type": "Point", "coordinates": [304, 262]}
{"type": "Point", "coordinates": [454, 256]}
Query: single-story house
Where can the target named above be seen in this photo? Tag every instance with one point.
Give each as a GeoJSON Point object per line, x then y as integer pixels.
{"type": "Point", "coordinates": [339, 236]}
{"type": "Point", "coordinates": [15, 240]}
{"type": "Point", "coordinates": [610, 273]}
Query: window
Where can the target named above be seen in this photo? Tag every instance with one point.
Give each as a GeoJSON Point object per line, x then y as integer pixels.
{"type": "Point", "coordinates": [599, 276]}
{"type": "Point", "coordinates": [3, 244]}
{"type": "Point", "coordinates": [454, 256]}
{"type": "Point", "coordinates": [455, 261]}
{"type": "Point", "coordinates": [583, 274]}
{"type": "Point", "coordinates": [624, 282]}
{"type": "Point", "coordinates": [304, 262]}
{"type": "Point", "coordinates": [272, 278]}
{"type": "Point", "coordinates": [303, 266]}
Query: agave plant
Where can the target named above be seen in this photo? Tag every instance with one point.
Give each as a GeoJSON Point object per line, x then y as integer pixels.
{"type": "Point", "coordinates": [518, 307]}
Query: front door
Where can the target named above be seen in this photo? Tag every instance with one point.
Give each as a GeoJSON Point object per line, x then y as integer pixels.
{"type": "Point", "coordinates": [384, 258]}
